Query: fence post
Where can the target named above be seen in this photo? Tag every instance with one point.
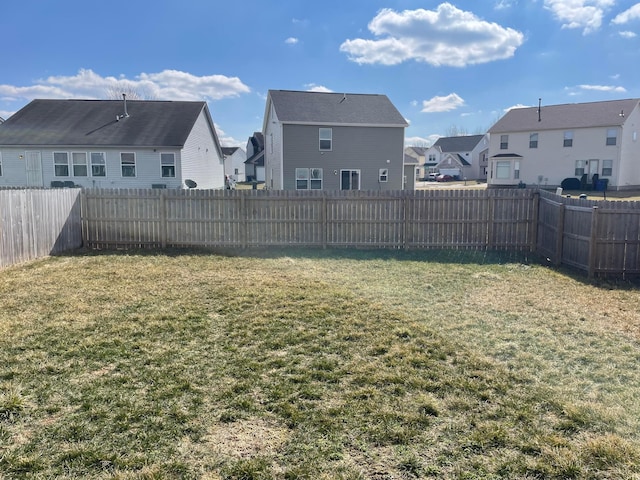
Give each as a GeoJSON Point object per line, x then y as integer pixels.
{"type": "Point", "coordinates": [323, 220]}
{"type": "Point", "coordinates": [534, 222]}
{"type": "Point", "coordinates": [560, 235]}
{"type": "Point", "coordinates": [163, 219]}
{"type": "Point", "coordinates": [490, 220]}
{"type": "Point", "coordinates": [405, 219]}
{"type": "Point", "coordinates": [243, 219]}
{"type": "Point", "coordinates": [592, 242]}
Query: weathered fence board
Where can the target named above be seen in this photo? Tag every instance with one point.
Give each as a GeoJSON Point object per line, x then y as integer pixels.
{"type": "Point", "coordinates": [38, 222]}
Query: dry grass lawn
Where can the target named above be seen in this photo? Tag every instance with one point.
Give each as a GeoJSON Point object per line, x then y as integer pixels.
{"type": "Point", "coordinates": [297, 364]}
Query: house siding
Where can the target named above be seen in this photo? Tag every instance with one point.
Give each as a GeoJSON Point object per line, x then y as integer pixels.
{"type": "Point", "coordinates": [357, 148]}
{"type": "Point", "coordinates": [273, 155]}
{"type": "Point", "coordinates": [201, 159]}
{"type": "Point", "coordinates": [628, 172]}
{"type": "Point", "coordinates": [552, 162]}
{"type": "Point", "coordinates": [148, 170]}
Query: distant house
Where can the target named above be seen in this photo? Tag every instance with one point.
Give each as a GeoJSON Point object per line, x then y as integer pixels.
{"type": "Point", "coordinates": [254, 164]}
{"type": "Point", "coordinates": [111, 144]}
{"type": "Point", "coordinates": [586, 141]}
{"type": "Point", "coordinates": [234, 158]}
{"type": "Point", "coordinates": [332, 141]}
{"type": "Point", "coordinates": [416, 156]}
{"type": "Point", "coordinates": [467, 154]}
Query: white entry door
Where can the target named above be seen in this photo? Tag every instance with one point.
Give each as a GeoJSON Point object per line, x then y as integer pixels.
{"type": "Point", "coordinates": [33, 164]}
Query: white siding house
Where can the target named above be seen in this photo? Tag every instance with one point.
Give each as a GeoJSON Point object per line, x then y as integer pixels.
{"type": "Point", "coordinates": [234, 167]}
{"type": "Point", "coordinates": [467, 154]}
{"type": "Point", "coordinates": [590, 142]}
{"type": "Point", "coordinates": [111, 144]}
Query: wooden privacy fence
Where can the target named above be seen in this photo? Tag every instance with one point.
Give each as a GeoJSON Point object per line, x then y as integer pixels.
{"type": "Point", "coordinates": [599, 237]}
{"type": "Point", "coordinates": [470, 219]}
{"type": "Point", "coordinates": [37, 223]}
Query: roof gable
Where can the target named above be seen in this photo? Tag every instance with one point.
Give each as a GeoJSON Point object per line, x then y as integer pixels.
{"type": "Point", "coordinates": [320, 108]}
{"type": "Point", "coordinates": [567, 116]}
{"type": "Point", "coordinates": [96, 123]}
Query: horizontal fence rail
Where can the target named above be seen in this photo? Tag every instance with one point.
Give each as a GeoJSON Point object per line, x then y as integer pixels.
{"type": "Point", "coordinates": [470, 219]}
{"type": "Point", "coordinates": [36, 222]}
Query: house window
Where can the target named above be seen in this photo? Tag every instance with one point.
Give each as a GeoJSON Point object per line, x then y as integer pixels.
{"type": "Point", "coordinates": [79, 160]}
{"type": "Point", "coordinates": [61, 164]}
{"type": "Point", "coordinates": [98, 164]}
{"type": "Point", "coordinates": [325, 135]}
{"type": "Point", "coordinates": [581, 165]}
{"type": "Point", "coordinates": [503, 169]}
{"type": "Point", "coordinates": [383, 175]}
{"type": "Point", "coordinates": [533, 140]}
{"type": "Point", "coordinates": [516, 170]}
{"type": "Point", "coordinates": [349, 179]}
{"type": "Point", "coordinates": [432, 158]}
{"type": "Point", "coordinates": [128, 164]}
{"type": "Point", "coordinates": [568, 139]}
{"type": "Point", "coordinates": [612, 136]}
{"type": "Point", "coordinates": [168, 164]}
{"type": "Point", "coordinates": [316, 178]}
{"type": "Point", "coordinates": [504, 142]}
{"type": "Point", "coordinates": [308, 178]}
{"type": "Point", "coordinates": [607, 168]}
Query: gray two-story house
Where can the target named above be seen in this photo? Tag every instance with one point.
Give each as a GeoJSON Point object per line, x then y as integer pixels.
{"type": "Point", "coordinates": [332, 141]}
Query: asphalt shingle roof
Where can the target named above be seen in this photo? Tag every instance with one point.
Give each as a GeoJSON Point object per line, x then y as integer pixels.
{"type": "Point", "coordinates": [464, 143]}
{"type": "Point", "coordinates": [93, 123]}
{"type": "Point", "coordinates": [566, 116]}
{"type": "Point", "coordinates": [319, 108]}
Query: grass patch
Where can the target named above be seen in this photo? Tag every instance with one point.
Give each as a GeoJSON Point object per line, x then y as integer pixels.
{"type": "Point", "coordinates": [322, 364]}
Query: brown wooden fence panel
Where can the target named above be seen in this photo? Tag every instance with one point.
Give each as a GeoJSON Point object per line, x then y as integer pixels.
{"type": "Point", "coordinates": [598, 237]}
{"type": "Point", "coordinates": [36, 222]}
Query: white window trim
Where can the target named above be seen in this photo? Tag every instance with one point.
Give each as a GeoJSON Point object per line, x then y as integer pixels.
{"type": "Point", "coordinates": [135, 170]}
{"type": "Point", "coordinates": [55, 164]}
{"type": "Point", "coordinates": [73, 164]}
{"type": "Point", "coordinates": [383, 175]}
{"type": "Point", "coordinates": [610, 174]}
{"type": "Point", "coordinates": [173, 164]}
{"type": "Point", "coordinates": [567, 138]}
{"type": "Point", "coordinates": [104, 165]}
{"type": "Point", "coordinates": [610, 137]}
{"type": "Point", "coordinates": [351, 170]}
{"type": "Point", "coordinates": [330, 139]}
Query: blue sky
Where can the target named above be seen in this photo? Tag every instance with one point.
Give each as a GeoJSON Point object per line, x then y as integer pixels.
{"type": "Point", "coordinates": [449, 67]}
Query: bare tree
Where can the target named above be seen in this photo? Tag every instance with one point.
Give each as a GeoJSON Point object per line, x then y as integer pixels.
{"type": "Point", "coordinates": [115, 93]}
{"type": "Point", "coordinates": [456, 131]}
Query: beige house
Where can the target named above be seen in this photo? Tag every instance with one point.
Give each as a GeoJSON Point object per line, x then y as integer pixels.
{"type": "Point", "coordinates": [596, 143]}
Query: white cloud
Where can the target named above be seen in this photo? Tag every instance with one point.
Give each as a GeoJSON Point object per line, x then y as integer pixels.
{"type": "Point", "coordinates": [442, 104]}
{"type": "Point", "coordinates": [603, 88]}
{"type": "Point", "coordinates": [447, 36]}
{"type": "Point", "coordinates": [227, 140]}
{"type": "Point", "coordinates": [291, 41]}
{"type": "Point", "coordinates": [312, 87]}
{"type": "Point", "coordinates": [165, 85]}
{"type": "Point", "coordinates": [584, 14]}
{"type": "Point", "coordinates": [632, 13]}
{"type": "Point", "coordinates": [627, 34]}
